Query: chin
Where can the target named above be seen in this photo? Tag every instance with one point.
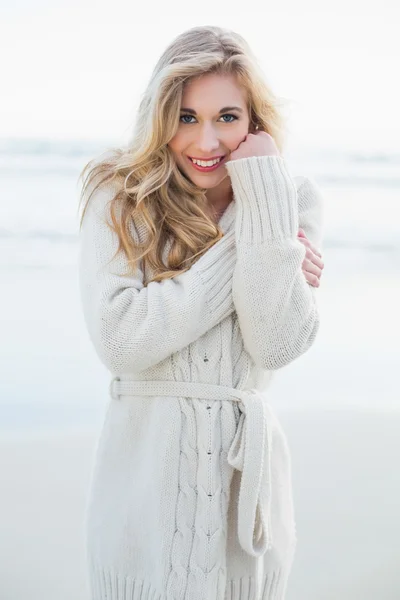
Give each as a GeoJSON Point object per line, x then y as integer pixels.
{"type": "Point", "coordinates": [205, 181]}
{"type": "Point", "coordinates": [207, 185]}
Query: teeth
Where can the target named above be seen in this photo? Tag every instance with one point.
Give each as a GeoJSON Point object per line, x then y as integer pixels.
{"type": "Point", "coordinates": [206, 163]}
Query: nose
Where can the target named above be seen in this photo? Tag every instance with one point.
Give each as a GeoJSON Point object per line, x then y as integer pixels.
{"type": "Point", "coordinates": [208, 139]}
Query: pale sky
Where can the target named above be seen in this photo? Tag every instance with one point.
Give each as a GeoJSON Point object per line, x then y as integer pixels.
{"type": "Point", "coordinates": [76, 69]}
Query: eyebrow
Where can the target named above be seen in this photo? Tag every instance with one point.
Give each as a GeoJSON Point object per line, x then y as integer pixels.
{"type": "Point", "coordinates": [225, 109]}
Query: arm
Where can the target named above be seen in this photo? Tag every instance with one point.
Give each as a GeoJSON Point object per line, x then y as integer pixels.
{"type": "Point", "coordinates": [276, 306]}
{"type": "Point", "coordinates": [133, 327]}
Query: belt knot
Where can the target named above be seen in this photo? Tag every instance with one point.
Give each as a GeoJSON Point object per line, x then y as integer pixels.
{"type": "Point", "coordinates": [250, 450]}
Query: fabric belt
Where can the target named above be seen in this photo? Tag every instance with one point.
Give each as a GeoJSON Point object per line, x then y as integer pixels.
{"type": "Point", "coordinates": [250, 451]}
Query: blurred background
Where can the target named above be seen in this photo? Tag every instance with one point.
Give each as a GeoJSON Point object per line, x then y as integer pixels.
{"type": "Point", "coordinates": [72, 77]}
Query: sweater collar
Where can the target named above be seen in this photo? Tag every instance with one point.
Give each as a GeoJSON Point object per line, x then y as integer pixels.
{"type": "Point", "coordinates": [227, 219]}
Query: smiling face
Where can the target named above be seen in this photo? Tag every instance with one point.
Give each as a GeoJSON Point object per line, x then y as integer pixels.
{"type": "Point", "coordinates": [214, 120]}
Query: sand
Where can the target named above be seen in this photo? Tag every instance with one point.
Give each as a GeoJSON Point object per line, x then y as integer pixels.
{"type": "Point", "coordinates": [44, 484]}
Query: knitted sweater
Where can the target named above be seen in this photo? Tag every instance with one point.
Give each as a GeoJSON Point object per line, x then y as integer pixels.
{"type": "Point", "coordinates": [191, 494]}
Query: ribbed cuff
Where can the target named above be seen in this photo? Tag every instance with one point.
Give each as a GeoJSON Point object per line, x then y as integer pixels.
{"type": "Point", "coordinates": [215, 269]}
{"type": "Point", "coordinates": [109, 584]}
{"type": "Point", "coordinates": [106, 583]}
{"type": "Point", "coordinates": [272, 587]}
{"type": "Point", "coordinates": [266, 198]}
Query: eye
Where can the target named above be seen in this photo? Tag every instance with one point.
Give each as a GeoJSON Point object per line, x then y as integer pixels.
{"type": "Point", "coordinates": [234, 118]}
{"type": "Point", "coordinates": [184, 116]}
{"type": "Point", "coordinates": [229, 115]}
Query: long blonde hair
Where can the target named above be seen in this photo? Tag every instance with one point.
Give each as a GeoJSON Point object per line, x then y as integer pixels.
{"type": "Point", "coordinates": [149, 188]}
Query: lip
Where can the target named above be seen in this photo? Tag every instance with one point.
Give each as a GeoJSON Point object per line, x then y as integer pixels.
{"type": "Point", "coordinates": [210, 158]}
{"type": "Point", "coordinates": [207, 169]}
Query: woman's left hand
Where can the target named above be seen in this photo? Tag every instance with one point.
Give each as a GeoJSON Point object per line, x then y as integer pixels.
{"type": "Point", "coordinates": [312, 264]}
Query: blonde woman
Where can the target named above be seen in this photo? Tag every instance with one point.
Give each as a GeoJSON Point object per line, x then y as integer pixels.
{"type": "Point", "coordinates": [199, 262]}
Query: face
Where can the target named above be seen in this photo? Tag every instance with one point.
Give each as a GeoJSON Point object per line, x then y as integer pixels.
{"type": "Point", "coordinates": [208, 129]}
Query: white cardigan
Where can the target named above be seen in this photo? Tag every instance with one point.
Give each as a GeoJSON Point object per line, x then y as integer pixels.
{"type": "Point", "coordinates": [191, 494]}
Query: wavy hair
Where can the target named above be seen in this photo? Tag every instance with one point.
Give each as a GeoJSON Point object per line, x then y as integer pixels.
{"type": "Point", "coordinates": [150, 190]}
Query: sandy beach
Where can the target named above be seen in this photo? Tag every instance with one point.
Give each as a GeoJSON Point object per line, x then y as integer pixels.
{"type": "Point", "coordinates": [347, 493]}
{"type": "Point", "coordinates": [44, 483]}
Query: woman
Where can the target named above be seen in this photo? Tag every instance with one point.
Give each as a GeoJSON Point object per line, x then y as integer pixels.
{"type": "Point", "coordinates": [197, 284]}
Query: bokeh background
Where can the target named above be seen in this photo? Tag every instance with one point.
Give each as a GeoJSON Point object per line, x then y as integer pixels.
{"type": "Point", "coordinates": [73, 73]}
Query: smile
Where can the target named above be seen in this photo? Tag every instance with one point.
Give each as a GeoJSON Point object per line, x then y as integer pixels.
{"type": "Point", "coordinates": [206, 165]}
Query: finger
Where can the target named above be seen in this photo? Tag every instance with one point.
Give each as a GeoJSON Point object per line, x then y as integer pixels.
{"type": "Point", "coordinates": [316, 251]}
{"type": "Point", "coordinates": [314, 258]}
{"type": "Point", "coordinates": [310, 252]}
{"type": "Point", "coordinates": [311, 278]}
{"type": "Point", "coordinates": [308, 244]}
{"type": "Point", "coordinates": [311, 268]}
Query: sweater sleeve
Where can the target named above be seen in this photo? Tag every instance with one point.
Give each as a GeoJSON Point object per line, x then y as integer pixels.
{"type": "Point", "coordinates": [276, 306]}
{"type": "Point", "coordinates": [132, 326]}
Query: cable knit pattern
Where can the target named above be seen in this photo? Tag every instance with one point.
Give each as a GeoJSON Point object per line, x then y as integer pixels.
{"type": "Point", "coordinates": [188, 419]}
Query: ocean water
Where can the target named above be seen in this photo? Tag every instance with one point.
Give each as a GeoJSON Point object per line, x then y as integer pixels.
{"type": "Point", "coordinates": [50, 375]}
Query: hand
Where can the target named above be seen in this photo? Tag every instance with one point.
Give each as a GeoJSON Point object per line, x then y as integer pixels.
{"type": "Point", "coordinates": [255, 144]}
{"type": "Point", "coordinates": [312, 265]}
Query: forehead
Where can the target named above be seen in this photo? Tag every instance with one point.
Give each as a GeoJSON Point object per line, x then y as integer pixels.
{"type": "Point", "coordinates": [212, 91]}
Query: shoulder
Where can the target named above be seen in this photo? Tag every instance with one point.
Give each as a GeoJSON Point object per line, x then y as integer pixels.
{"type": "Point", "coordinates": [99, 184]}
{"type": "Point", "coordinates": [307, 186]}
{"type": "Point", "coordinates": [311, 207]}
{"type": "Point", "coordinates": [309, 193]}
{"type": "Point", "coordinates": [98, 198]}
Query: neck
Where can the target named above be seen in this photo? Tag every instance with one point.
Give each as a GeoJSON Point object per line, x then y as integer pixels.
{"type": "Point", "coordinates": [219, 198]}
